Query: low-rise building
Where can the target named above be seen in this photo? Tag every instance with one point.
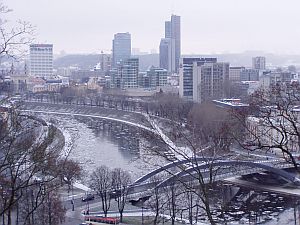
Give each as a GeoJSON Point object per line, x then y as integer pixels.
{"type": "Point", "coordinates": [235, 73]}
{"type": "Point", "coordinates": [249, 75]}
{"type": "Point", "coordinates": [272, 79]}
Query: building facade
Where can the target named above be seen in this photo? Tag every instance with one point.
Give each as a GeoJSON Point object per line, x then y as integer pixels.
{"type": "Point", "coordinates": [105, 62]}
{"type": "Point", "coordinates": [210, 81]}
{"type": "Point", "coordinates": [127, 74]}
{"type": "Point", "coordinates": [186, 75]}
{"type": "Point", "coordinates": [166, 54]}
{"type": "Point", "coordinates": [170, 46]}
{"type": "Point", "coordinates": [249, 75]}
{"type": "Point", "coordinates": [41, 60]}
{"type": "Point", "coordinates": [176, 35]}
{"type": "Point", "coordinates": [121, 48]}
{"type": "Point", "coordinates": [260, 132]}
{"type": "Point", "coordinates": [259, 63]}
{"type": "Point", "coordinates": [235, 73]}
{"type": "Point", "coordinates": [269, 80]}
{"type": "Point", "coordinates": [158, 77]}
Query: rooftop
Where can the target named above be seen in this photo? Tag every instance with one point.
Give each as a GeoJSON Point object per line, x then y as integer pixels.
{"type": "Point", "coordinates": [232, 102]}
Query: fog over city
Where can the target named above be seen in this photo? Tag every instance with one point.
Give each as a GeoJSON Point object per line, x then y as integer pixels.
{"type": "Point", "coordinates": [158, 112]}
{"type": "Point", "coordinates": [214, 26]}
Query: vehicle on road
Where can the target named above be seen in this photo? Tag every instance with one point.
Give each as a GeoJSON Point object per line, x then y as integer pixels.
{"type": "Point", "coordinates": [101, 219]}
{"type": "Point", "coordinates": [88, 197]}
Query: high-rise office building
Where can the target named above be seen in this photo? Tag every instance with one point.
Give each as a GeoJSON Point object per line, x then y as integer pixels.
{"type": "Point", "coordinates": [210, 81]}
{"type": "Point", "coordinates": [127, 74]}
{"type": "Point", "coordinates": [186, 75]}
{"type": "Point", "coordinates": [173, 41]}
{"type": "Point", "coordinates": [166, 54]}
{"type": "Point", "coordinates": [121, 47]}
{"type": "Point", "coordinates": [176, 35]}
{"type": "Point", "coordinates": [168, 29]}
{"type": "Point", "coordinates": [259, 63]}
{"type": "Point", "coordinates": [41, 60]}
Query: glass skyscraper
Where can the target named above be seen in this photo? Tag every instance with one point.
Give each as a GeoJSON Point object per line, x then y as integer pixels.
{"type": "Point", "coordinates": [170, 46]}
{"type": "Point", "coordinates": [121, 47]}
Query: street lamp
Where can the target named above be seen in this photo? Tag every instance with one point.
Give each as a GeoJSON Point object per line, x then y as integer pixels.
{"type": "Point", "coordinates": [142, 213]}
{"type": "Point", "coordinates": [88, 207]}
{"type": "Point", "coordinates": [72, 201]}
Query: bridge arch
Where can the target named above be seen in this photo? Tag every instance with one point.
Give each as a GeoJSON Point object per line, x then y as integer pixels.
{"type": "Point", "coordinates": [171, 165]}
{"type": "Point", "coordinates": [288, 176]}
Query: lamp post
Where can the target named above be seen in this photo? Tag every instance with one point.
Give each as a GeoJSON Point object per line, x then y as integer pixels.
{"type": "Point", "coordinates": [88, 207]}
{"type": "Point", "coordinates": [142, 213]}
{"type": "Point", "coordinates": [73, 203]}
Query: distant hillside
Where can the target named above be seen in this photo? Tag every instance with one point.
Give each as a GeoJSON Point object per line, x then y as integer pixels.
{"type": "Point", "coordinates": [82, 61]}
{"type": "Point", "coordinates": [239, 59]}
{"type": "Point", "coordinates": [89, 61]}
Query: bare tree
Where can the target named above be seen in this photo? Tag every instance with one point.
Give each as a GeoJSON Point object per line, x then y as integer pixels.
{"type": "Point", "coordinates": [40, 206]}
{"type": "Point", "coordinates": [101, 181]}
{"type": "Point", "coordinates": [274, 124]}
{"type": "Point", "coordinates": [70, 172]}
{"type": "Point", "coordinates": [201, 141]}
{"type": "Point", "coordinates": [190, 203]}
{"type": "Point", "coordinates": [156, 202]}
{"type": "Point", "coordinates": [120, 183]}
{"type": "Point", "coordinates": [13, 36]}
{"type": "Point", "coordinates": [29, 153]}
{"type": "Point", "coordinates": [52, 211]}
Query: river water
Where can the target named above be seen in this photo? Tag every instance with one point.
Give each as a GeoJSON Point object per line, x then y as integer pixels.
{"type": "Point", "coordinates": [96, 142]}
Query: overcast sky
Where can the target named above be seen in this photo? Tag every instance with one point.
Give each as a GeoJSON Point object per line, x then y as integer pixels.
{"type": "Point", "coordinates": [208, 26]}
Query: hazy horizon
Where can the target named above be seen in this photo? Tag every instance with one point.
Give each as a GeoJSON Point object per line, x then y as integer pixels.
{"type": "Point", "coordinates": [208, 27]}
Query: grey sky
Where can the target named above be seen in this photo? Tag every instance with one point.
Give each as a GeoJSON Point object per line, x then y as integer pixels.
{"type": "Point", "coordinates": [208, 26]}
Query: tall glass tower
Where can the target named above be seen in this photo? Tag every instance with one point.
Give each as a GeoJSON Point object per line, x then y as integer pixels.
{"type": "Point", "coordinates": [170, 46]}
{"type": "Point", "coordinates": [121, 47]}
{"type": "Point", "coordinates": [176, 36]}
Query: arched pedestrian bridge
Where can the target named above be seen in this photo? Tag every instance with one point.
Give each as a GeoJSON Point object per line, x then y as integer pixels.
{"type": "Point", "coordinates": [186, 170]}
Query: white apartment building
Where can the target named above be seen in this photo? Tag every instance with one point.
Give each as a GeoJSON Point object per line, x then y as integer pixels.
{"type": "Point", "coordinates": [41, 60]}
{"type": "Point", "coordinates": [259, 128]}
{"type": "Point", "coordinates": [210, 81]}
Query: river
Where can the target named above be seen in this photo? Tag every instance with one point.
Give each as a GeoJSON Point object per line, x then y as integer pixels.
{"type": "Point", "coordinates": [97, 142]}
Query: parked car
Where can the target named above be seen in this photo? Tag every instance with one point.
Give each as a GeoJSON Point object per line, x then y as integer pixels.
{"type": "Point", "coordinates": [88, 197]}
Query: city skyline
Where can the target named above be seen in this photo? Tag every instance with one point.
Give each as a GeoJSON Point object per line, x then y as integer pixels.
{"type": "Point", "coordinates": [207, 27]}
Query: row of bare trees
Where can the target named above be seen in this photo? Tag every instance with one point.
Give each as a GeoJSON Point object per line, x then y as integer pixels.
{"type": "Point", "coordinates": [182, 201]}
{"type": "Point", "coordinates": [32, 169]}
{"type": "Point", "coordinates": [111, 184]}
